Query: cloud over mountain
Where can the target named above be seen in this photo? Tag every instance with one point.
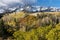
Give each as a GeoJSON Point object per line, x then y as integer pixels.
{"type": "Point", "coordinates": [12, 3]}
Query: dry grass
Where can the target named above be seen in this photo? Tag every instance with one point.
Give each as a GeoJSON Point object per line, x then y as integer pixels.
{"type": "Point", "coordinates": [22, 14]}
{"type": "Point", "coordinates": [54, 13]}
{"type": "Point", "coordinates": [13, 15]}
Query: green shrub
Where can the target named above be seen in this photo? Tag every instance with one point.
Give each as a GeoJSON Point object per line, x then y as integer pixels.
{"type": "Point", "coordinates": [25, 35]}
{"type": "Point", "coordinates": [54, 34]}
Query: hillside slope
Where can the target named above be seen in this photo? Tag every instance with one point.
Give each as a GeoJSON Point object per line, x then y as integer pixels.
{"type": "Point", "coordinates": [30, 26]}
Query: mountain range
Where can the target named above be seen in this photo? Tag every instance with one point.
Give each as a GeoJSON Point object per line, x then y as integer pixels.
{"type": "Point", "coordinates": [32, 9]}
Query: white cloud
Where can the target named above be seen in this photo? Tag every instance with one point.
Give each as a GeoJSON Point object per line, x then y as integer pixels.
{"type": "Point", "coordinates": [10, 1]}
{"type": "Point", "coordinates": [13, 2]}
{"type": "Point", "coordinates": [2, 4]}
{"type": "Point", "coordinates": [28, 1]}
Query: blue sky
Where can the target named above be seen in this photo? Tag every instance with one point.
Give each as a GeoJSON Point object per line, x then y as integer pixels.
{"type": "Point", "coordinates": [54, 3]}
{"type": "Point", "coordinates": [12, 3]}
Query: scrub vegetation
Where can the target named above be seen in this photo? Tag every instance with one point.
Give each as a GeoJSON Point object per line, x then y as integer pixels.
{"type": "Point", "coordinates": [26, 26]}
